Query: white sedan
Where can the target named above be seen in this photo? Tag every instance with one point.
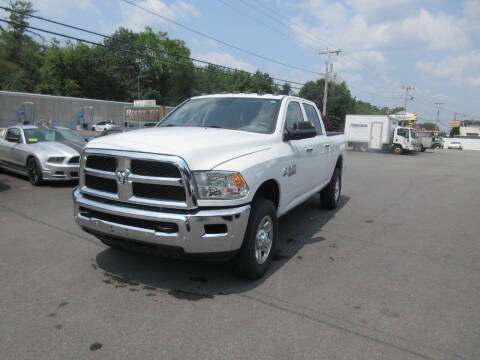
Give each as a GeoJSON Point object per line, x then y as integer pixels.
{"type": "Point", "coordinates": [455, 145]}
{"type": "Point", "coordinates": [103, 125]}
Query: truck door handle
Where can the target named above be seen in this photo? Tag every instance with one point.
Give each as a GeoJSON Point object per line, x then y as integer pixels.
{"type": "Point", "coordinates": [309, 149]}
{"type": "Point", "coordinates": [327, 145]}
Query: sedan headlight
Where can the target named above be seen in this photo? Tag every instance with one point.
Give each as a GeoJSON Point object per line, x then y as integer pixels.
{"type": "Point", "coordinates": [56, 159]}
{"type": "Point", "coordinates": [224, 185]}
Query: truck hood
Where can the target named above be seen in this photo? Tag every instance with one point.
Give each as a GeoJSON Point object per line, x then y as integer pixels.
{"type": "Point", "coordinates": [201, 148]}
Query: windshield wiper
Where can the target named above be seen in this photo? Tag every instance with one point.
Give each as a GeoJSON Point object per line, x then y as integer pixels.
{"type": "Point", "coordinates": [214, 126]}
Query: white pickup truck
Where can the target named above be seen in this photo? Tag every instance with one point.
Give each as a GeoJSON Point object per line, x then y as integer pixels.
{"type": "Point", "coordinates": [211, 179]}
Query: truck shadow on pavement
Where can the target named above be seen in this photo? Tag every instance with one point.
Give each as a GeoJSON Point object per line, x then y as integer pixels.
{"type": "Point", "coordinates": [194, 280]}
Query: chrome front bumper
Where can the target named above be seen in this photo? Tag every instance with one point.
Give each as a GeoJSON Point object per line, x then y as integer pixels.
{"type": "Point", "coordinates": [192, 235]}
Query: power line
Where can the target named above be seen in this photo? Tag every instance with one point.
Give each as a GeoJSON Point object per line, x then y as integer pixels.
{"type": "Point", "coordinates": [143, 46]}
{"type": "Point", "coordinates": [263, 23]}
{"type": "Point", "coordinates": [165, 61]}
{"type": "Point", "coordinates": [219, 41]}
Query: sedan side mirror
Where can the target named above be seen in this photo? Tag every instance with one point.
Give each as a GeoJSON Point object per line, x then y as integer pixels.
{"type": "Point", "coordinates": [13, 138]}
{"type": "Point", "coordinates": [301, 130]}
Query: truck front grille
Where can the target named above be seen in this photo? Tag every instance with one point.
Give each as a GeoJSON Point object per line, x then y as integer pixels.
{"type": "Point", "coordinates": [101, 184]}
{"type": "Point", "coordinates": [105, 163]}
{"type": "Point", "coordinates": [137, 178]}
{"type": "Point", "coordinates": [159, 192]}
{"type": "Point", "coordinates": [153, 168]}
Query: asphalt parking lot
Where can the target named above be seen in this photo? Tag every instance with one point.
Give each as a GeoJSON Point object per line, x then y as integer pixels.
{"type": "Point", "coordinates": [394, 273]}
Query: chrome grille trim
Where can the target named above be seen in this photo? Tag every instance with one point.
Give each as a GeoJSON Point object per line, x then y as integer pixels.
{"type": "Point", "coordinates": [125, 192]}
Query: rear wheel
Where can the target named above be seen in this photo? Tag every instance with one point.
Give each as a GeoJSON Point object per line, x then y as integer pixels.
{"type": "Point", "coordinates": [93, 128]}
{"type": "Point", "coordinates": [422, 149]}
{"type": "Point", "coordinates": [330, 195]}
{"type": "Point", "coordinates": [34, 172]}
{"type": "Point", "coordinates": [259, 244]}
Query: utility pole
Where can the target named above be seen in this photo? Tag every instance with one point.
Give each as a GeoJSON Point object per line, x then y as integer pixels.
{"type": "Point", "coordinates": [328, 69]}
{"type": "Point", "coordinates": [437, 104]}
{"type": "Point", "coordinates": [407, 89]}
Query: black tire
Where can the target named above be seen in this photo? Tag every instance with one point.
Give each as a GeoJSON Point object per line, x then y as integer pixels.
{"type": "Point", "coordinates": [422, 149]}
{"type": "Point", "coordinates": [34, 172]}
{"type": "Point", "coordinates": [93, 128]}
{"type": "Point", "coordinates": [397, 149]}
{"type": "Point", "coordinates": [329, 197]}
{"type": "Point", "coordinates": [245, 263]}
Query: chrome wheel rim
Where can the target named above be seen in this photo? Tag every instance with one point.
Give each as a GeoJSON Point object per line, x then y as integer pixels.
{"type": "Point", "coordinates": [337, 189]}
{"type": "Point", "coordinates": [263, 239]}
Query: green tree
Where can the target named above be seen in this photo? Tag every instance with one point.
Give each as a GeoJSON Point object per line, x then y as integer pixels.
{"type": "Point", "coordinates": [340, 101]}
{"type": "Point", "coordinates": [286, 89]}
{"type": "Point", "coordinates": [21, 56]}
{"type": "Point", "coordinates": [454, 131]}
{"type": "Point", "coordinates": [429, 126]}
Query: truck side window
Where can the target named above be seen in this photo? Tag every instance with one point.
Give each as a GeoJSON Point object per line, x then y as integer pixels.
{"type": "Point", "coordinates": [312, 116]}
{"type": "Point", "coordinates": [294, 114]}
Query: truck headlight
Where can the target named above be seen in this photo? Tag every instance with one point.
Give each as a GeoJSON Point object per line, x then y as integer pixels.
{"type": "Point", "coordinates": [224, 185]}
{"type": "Point", "coordinates": [56, 159]}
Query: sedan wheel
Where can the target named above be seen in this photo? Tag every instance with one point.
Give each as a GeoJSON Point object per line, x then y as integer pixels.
{"type": "Point", "coordinates": [34, 172]}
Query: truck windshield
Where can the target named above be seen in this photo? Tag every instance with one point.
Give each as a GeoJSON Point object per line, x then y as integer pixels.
{"type": "Point", "coordinates": [247, 114]}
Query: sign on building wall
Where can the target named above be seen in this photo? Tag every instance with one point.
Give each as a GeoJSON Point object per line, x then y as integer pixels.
{"type": "Point", "coordinates": [454, 123]}
{"type": "Point", "coordinates": [139, 116]}
{"type": "Point", "coordinates": [144, 102]}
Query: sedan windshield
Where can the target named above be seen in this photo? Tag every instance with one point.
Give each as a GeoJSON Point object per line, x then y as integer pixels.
{"type": "Point", "coordinates": [33, 136]}
{"type": "Point", "coordinates": [247, 114]}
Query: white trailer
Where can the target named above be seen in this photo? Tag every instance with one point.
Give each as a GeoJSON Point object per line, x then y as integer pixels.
{"type": "Point", "coordinates": [378, 132]}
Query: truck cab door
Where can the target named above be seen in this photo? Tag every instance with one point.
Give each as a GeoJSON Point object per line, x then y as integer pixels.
{"type": "Point", "coordinates": [322, 162]}
{"type": "Point", "coordinates": [297, 169]}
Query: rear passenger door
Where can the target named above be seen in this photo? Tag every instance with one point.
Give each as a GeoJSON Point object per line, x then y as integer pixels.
{"type": "Point", "coordinates": [321, 156]}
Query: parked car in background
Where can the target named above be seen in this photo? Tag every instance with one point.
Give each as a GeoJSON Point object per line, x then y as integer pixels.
{"type": "Point", "coordinates": [38, 153]}
{"type": "Point", "coordinates": [455, 145]}
{"type": "Point", "coordinates": [116, 130]}
{"type": "Point", "coordinates": [102, 125]}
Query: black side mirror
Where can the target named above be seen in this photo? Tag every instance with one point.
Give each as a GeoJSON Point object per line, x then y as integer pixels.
{"type": "Point", "coordinates": [301, 130]}
{"type": "Point", "coordinates": [13, 138]}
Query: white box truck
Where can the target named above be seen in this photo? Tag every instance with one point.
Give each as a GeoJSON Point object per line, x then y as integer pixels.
{"type": "Point", "coordinates": [379, 132]}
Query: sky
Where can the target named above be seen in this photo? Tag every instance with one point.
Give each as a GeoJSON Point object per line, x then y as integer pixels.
{"type": "Point", "coordinates": [432, 45]}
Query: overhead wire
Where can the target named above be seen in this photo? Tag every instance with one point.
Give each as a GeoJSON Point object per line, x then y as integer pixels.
{"type": "Point", "coordinates": [266, 58]}
{"type": "Point", "coordinates": [166, 61]}
{"type": "Point", "coordinates": [146, 47]}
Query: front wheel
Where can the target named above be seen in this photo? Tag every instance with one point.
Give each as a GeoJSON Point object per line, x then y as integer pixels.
{"type": "Point", "coordinates": [397, 149]}
{"type": "Point", "coordinates": [330, 195]}
{"type": "Point", "coordinates": [259, 243]}
{"type": "Point", "coordinates": [34, 172]}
